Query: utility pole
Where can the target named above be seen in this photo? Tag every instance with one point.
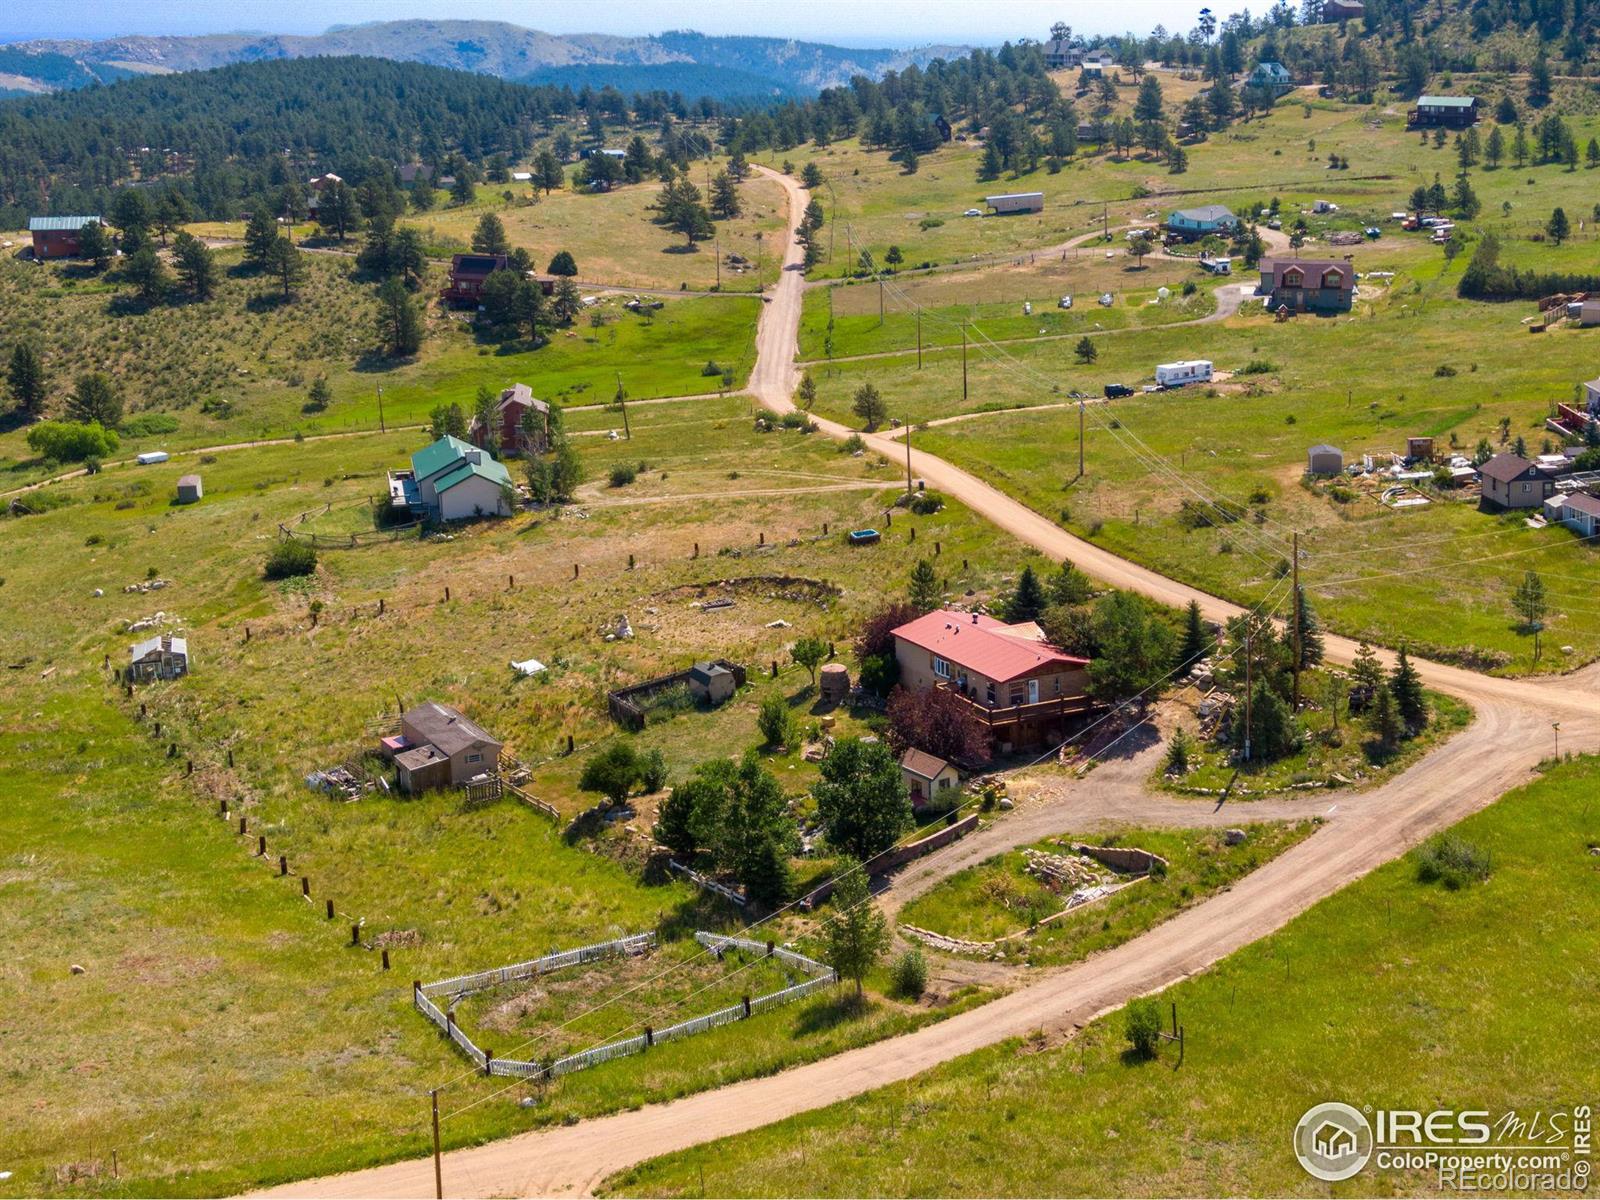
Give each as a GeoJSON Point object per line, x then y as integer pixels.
{"type": "Point", "coordinates": [1105, 222]}
{"type": "Point", "coordinates": [1247, 694]}
{"type": "Point", "coordinates": [1080, 438]}
{"type": "Point", "coordinates": [880, 303]}
{"type": "Point", "coordinates": [622, 403]}
{"type": "Point", "coordinates": [438, 1170]}
{"type": "Point", "coordinates": [1297, 630]}
{"type": "Point", "coordinates": [716, 248]}
{"type": "Point", "coordinates": [760, 286]}
{"type": "Point", "coordinates": [908, 469]}
{"type": "Point", "coordinates": [919, 339]}
{"type": "Point", "coordinates": [381, 427]}
{"type": "Point", "coordinates": [963, 362]}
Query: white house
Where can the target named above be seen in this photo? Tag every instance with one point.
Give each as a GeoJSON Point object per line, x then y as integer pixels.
{"type": "Point", "coordinates": [1176, 374]}
{"type": "Point", "coordinates": [1578, 511]}
{"type": "Point", "coordinates": [452, 480]}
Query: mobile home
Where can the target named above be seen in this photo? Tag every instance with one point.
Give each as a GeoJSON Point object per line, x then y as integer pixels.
{"type": "Point", "coordinates": [1176, 374]}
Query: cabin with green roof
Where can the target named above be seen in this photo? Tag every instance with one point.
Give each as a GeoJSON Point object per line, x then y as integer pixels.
{"type": "Point", "coordinates": [452, 480]}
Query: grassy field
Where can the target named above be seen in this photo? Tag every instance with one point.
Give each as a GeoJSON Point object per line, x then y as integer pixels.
{"type": "Point", "coordinates": [845, 317]}
{"type": "Point", "coordinates": [238, 367]}
{"type": "Point", "coordinates": [613, 238]}
{"type": "Point", "coordinates": [116, 854]}
{"type": "Point", "coordinates": [1411, 360]}
{"type": "Point", "coordinates": [1000, 897]}
{"type": "Point", "coordinates": [1392, 992]}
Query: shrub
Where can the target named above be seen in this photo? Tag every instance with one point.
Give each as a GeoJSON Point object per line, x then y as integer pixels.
{"type": "Point", "coordinates": [852, 444]}
{"type": "Point", "coordinates": [68, 441]}
{"type": "Point", "coordinates": [1258, 366]}
{"type": "Point", "coordinates": [150, 425]}
{"type": "Point", "coordinates": [623, 474]}
{"type": "Point", "coordinates": [909, 974]}
{"type": "Point", "coordinates": [775, 721]}
{"type": "Point", "coordinates": [926, 503]}
{"type": "Point", "coordinates": [290, 559]}
{"type": "Point", "coordinates": [1142, 1025]}
{"type": "Point", "coordinates": [930, 223]}
{"type": "Point", "coordinates": [612, 772]}
{"type": "Point", "coordinates": [711, 368]}
{"type": "Point", "coordinates": [1444, 371]}
{"type": "Point", "coordinates": [1453, 861]}
{"type": "Point", "coordinates": [653, 770]}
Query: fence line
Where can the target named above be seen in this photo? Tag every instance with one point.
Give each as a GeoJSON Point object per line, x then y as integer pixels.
{"type": "Point", "coordinates": [633, 944]}
{"type": "Point", "coordinates": [711, 885]}
{"type": "Point", "coordinates": [822, 976]}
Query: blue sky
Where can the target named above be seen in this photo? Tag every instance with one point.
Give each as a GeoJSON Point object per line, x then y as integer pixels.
{"type": "Point", "coordinates": [847, 22]}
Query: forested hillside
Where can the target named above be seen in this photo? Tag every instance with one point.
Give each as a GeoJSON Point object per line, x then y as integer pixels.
{"type": "Point", "coordinates": [229, 132]}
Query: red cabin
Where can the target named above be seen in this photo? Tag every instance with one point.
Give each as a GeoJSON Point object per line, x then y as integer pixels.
{"type": "Point", "coordinates": [468, 274]}
{"type": "Point", "coordinates": [57, 237]}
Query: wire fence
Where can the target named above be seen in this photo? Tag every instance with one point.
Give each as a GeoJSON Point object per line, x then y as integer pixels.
{"type": "Point", "coordinates": [821, 976]}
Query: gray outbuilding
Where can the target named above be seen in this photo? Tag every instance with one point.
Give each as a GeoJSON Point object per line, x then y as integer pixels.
{"type": "Point", "coordinates": [1324, 460]}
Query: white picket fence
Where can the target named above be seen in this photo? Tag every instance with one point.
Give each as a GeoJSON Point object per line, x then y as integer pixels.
{"type": "Point", "coordinates": [633, 944]}
{"type": "Point", "coordinates": [822, 976]}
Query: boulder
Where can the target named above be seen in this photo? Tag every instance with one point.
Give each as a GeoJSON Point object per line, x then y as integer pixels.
{"type": "Point", "coordinates": [1234, 836]}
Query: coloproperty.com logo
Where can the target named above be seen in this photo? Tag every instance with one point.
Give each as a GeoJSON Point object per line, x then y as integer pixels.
{"type": "Point", "coordinates": [1464, 1150]}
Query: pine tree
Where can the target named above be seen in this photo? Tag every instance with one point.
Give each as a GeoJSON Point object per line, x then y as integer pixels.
{"type": "Point", "coordinates": [1310, 630]}
{"type": "Point", "coordinates": [1385, 720]}
{"type": "Point", "coordinates": [1367, 671]}
{"type": "Point", "coordinates": [725, 201]}
{"type": "Point", "coordinates": [869, 405]}
{"type": "Point", "coordinates": [1557, 227]}
{"type": "Point", "coordinates": [490, 236]}
{"type": "Point", "coordinates": [924, 590]}
{"type": "Point", "coordinates": [197, 266]}
{"type": "Point", "coordinates": [259, 236]}
{"type": "Point", "coordinates": [286, 263]}
{"type": "Point", "coordinates": [807, 392]}
{"type": "Point", "coordinates": [1197, 641]}
{"type": "Point", "coordinates": [26, 379]}
{"type": "Point", "coordinates": [1028, 601]}
{"type": "Point", "coordinates": [1086, 350]}
{"type": "Point", "coordinates": [95, 398]}
{"type": "Point", "coordinates": [1273, 732]}
{"type": "Point", "coordinates": [399, 325]}
{"type": "Point", "coordinates": [94, 243]}
{"type": "Point", "coordinates": [1406, 686]}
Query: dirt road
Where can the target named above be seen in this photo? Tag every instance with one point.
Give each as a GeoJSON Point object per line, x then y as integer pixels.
{"type": "Point", "coordinates": [1511, 732]}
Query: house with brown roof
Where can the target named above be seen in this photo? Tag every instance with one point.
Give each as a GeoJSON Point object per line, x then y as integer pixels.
{"type": "Point", "coordinates": [437, 747]}
{"type": "Point", "coordinates": [521, 425]}
{"type": "Point", "coordinates": [1308, 284]}
{"type": "Point", "coordinates": [932, 782]}
{"type": "Point", "coordinates": [1018, 685]}
{"type": "Point", "coordinates": [1334, 11]}
{"type": "Point", "coordinates": [469, 273]}
{"type": "Point", "coordinates": [1511, 481]}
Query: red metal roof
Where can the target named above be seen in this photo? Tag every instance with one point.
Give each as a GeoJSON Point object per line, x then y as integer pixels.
{"type": "Point", "coordinates": [984, 645]}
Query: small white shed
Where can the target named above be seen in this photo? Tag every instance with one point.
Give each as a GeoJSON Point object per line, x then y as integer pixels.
{"type": "Point", "coordinates": [1176, 374]}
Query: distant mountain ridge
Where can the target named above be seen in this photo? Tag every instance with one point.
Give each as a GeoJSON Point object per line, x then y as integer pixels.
{"type": "Point", "coordinates": [777, 66]}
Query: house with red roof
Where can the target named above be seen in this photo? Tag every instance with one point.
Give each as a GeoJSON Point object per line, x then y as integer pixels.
{"type": "Point", "coordinates": [1019, 685]}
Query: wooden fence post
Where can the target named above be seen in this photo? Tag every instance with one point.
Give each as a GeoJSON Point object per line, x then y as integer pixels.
{"type": "Point", "coordinates": [913, 533]}
{"type": "Point", "coordinates": [330, 909]}
{"type": "Point", "coordinates": [380, 606]}
{"type": "Point", "coordinates": [447, 593]}
{"type": "Point", "coordinates": [696, 553]}
{"type": "Point", "coordinates": [936, 549]}
{"type": "Point", "coordinates": [747, 1005]}
{"type": "Point", "coordinates": [305, 887]}
{"type": "Point", "coordinates": [261, 846]}
{"type": "Point", "coordinates": [488, 1061]}
{"type": "Point", "coordinates": [386, 958]}
{"type": "Point", "coordinates": [630, 562]}
{"type": "Point", "coordinates": [230, 760]}
{"type": "Point", "coordinates": [243, 828]}
{"type": "Point", "coordinates": [355, 935]}
{"type": "Point", "coordinates": [824, 529]}
{"type": "Point", "coordinates": [283, 866]}
{"type": "Point", "coordinates": [574, 570]}
{"type": "Point", "coordinates": [649, 1037]}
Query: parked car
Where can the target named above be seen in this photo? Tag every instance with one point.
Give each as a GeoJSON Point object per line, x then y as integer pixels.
{"type": "Point", "coordinates": [1107, 300]}
{"type": "Point", "coordinates": [1064, 302]}
{"type": "Point", "coordinates": [1274, 224]}
{"type": "Point", "coordinates": [973, 212]}
{"type": "Point", "coordinates": [1115, 391]}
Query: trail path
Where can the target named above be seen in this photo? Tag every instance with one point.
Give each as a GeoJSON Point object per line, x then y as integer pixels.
{"type": "Point", "coordinates": [1510, 734]}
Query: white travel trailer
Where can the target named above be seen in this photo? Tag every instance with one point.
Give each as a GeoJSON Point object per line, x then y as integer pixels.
{"type": "Point", "coordinates": [1176, 374]}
